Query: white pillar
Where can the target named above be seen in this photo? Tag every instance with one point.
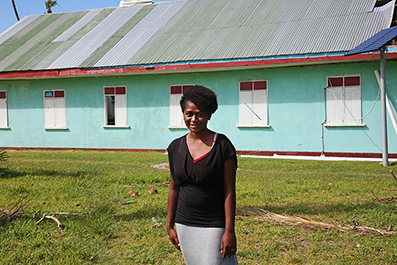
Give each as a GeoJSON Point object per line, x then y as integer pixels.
{"type": "Point", "coordinates": [385, 152]}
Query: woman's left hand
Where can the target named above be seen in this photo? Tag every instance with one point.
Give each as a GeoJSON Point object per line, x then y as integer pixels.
{"type": "Point", "coordinates": [228, 244]}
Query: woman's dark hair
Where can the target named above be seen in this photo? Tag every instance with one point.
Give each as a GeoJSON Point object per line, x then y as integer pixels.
{"type": "Point", "coordinates": [202, 97]}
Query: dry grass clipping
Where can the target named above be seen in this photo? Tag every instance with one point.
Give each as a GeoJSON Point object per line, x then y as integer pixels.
{"type": "Point", "coordinates": [304, 222]}
{"type": "Point", "coordinates": [13, 211]}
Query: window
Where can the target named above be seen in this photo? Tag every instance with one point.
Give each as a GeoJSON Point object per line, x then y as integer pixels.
{"type": "Point", "coordinates": [115, 107]}
{"type": "Point", "coordinates": [253, 104]}
{"type": "Point", "coordinates": [344, 101]}
{"type": "Point", "coordinates": [54, 109]}
{"type": "Point", "coordinates": [3, 110]}
{"type": "Point", "coordinates": [176, 115]}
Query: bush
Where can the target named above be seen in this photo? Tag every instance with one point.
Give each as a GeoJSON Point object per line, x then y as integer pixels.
{"type": "Point", "coordinates": [2, 155]}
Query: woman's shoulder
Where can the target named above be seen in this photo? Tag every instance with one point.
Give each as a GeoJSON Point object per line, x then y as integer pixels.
{"type": "Point", "coordinates": [223, 138]}
{"type": "Point", "coordinates": [176, 142]}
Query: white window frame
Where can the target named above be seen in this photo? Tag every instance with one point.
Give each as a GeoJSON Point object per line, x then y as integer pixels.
{"type": "Point", "coordinates": [253, 104]}
{"type": "Point", "coordinates": [3, 110]}
{"type": "Point", "coordinates": [344, 101]}
{"type": "Point", "coordinates": [54, 110]}
{"type": "Point", "coordinates": [176, 115]}
{"type": "Point", "coordinates": [115, 106]}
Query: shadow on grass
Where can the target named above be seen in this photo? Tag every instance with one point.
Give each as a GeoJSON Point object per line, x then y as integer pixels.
{"type": "Point", "coordinates": [333, 210]}
{"type": "Point", "coordinates": [6, 173]}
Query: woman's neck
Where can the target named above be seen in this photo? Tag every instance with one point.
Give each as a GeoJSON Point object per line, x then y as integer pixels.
{"type": "Point", "coordinates": [200, 135]}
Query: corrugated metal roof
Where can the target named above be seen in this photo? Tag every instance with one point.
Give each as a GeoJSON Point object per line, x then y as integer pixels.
{"type": "Point", "coordinates": [186, 31]}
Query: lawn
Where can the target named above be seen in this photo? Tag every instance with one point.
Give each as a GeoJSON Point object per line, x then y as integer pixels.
{"type": "Point", "coordinates": [96, 186]}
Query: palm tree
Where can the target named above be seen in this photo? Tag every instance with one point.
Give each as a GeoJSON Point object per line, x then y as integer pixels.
{"type": "Point", "coordinates": [15, 9]}
{"type": "Point", "coordinates": [50, 4]}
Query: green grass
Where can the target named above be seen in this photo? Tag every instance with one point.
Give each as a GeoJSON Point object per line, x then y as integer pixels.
{"type": "Point", "coordinates": [87, 181]}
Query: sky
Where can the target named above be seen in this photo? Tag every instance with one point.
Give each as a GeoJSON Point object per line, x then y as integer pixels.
{"type": "Point", "coordinates": [34, 7]}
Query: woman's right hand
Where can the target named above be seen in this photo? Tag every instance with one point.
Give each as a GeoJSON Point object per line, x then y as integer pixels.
{"type": "Point", "coordinates": [174, 238]}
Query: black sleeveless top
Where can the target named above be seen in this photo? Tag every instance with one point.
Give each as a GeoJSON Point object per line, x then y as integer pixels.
{"type": "Point", "coordinates": [201, 195]}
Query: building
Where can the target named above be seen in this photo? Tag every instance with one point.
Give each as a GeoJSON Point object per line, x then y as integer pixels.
{"type": "Point", "coordinates": [111, 78]}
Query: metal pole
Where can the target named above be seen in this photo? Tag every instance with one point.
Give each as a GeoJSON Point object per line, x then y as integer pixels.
{"type": "Point", "coordinates": [385, 153]}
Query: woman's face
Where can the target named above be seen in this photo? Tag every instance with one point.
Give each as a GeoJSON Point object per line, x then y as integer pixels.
{"type": "Point", "coordinates": [195, 120]}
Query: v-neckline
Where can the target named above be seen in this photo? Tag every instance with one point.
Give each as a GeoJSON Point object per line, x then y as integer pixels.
{"type": "Point", "coordinates": [204, 155]}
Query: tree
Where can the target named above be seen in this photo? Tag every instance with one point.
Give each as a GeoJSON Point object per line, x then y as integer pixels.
{"type": "Point", "coordinates": [15, 9]}
{"type": "Point", "coordinates": [50, 4]}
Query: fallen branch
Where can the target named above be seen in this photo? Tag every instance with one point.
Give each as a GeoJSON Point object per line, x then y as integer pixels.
{"type": "Point", "coordinates": [14, 211]}
{"type": "Point", "coordinates": [60, 225]}
{"type": "Point", "coordinates": [74, 214]}
{"type": "Point", "coordinates": [393, 175]}
{"type": "Point", "coordinates": [305, 222]}
{"type": "Point", "coordinates": [34, 215]}
{"type": "Point", "coordinates": [129, 202]}
{"type": "Point", "coordinates": [379, 200]}
{"type": "Point", "coordinates": [389, 199]}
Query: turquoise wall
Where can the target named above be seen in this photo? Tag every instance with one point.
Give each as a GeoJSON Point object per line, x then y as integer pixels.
{"type": "Point", "coordinates": [296, 111]}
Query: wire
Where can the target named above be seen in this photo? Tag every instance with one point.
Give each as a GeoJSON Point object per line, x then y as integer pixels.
{"type": "Point", "coordinates": [372, 105]}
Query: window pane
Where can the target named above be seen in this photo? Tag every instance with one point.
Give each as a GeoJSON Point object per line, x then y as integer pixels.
{"type": "Point", "coordinates": [120, 90]}
{"type": "Point", "coordinates": [3, 112]}
{"type": "Point", "coordinates": [245, 107]}
{"type": "Point", "coordinates": [2, 94]}
{"type": "Point", "coordinates": [335, 105]}
{"type": "Point", "coordinates": [59, 93]}
{"type": "Point", "coordinates": [246, 85]}
{"type": "Point", "coordinates": [186, 87]}
{"type": "Point", "coordinates": [176, 90]}
{"type": "Point", "coordinates": [259, 107]}
{"type": "Point", "coordinates": [259, 85]}
{"type": "Point", "coordinates": [335, 81]}
{"type": "Point", "coordinates": [48, 94]}
{"type": "Point", "coordinates": [352, 81]}
{"type": "Point", "coordinates": [120, 110]}
{"type": "Point", "coordinates": [109, 101]}
{"type": "Point", "coordinates": [109, 90]}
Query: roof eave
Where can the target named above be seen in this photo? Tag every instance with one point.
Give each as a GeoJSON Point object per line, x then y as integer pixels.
{"type": "Point", "coordinates": [188, 67]}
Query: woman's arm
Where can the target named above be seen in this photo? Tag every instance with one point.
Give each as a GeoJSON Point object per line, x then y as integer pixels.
{"type": "Point", "coordinates": [172, 203]}
{"type": "Point", "coordinates": [229, 242]}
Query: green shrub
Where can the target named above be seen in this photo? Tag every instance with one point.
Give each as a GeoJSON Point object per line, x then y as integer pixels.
{"type": "Point", "coordinates": [2, 155]}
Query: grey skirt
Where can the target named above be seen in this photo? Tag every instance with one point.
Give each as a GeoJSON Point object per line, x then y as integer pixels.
{"type": "Point", "coordinates": [202, 245]}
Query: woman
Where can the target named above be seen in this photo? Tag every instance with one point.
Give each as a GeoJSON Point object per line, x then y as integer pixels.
{"type": "Point", "coordinates": [202, 196]}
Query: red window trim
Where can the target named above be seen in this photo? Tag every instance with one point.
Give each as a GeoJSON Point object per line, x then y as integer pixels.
{"type": "Point", "coordinates": [179, 89]}
{"type": "Point", "coordinates": [175, 90]}
{"type": "Point", "coordinates": [260, 85]}
{"type": "Point", "coordinates": [253, 85]}
{"type": "Point", "coordinates": [54, 93]}
{"type": "Point", "coordinates": [118, 90]}
{"type": "Point", "coordinates": [59, 93]}
{"type": "Point", "coordinates": [246, 85]}
{"type": "Point", "coordinates": [186, 87]}
{"type": "Point", "coordinates": [3, 95]}
{"type": "Point", "coordinates": [354, 80]}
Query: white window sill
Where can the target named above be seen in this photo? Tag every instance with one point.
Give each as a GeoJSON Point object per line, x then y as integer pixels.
{"type": "Point", "coordinates": [116, 127]}
{"type": "Point", "coordinates": [253, 126]}
{"type": "Point", "coordinates": [172, 127]}
{"type": "Point", "coordinates": [4, 128]}
{"type": "Point", "coordinates": [345, 125]}
{"type": "Point", "coordinates": [56, 128]}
